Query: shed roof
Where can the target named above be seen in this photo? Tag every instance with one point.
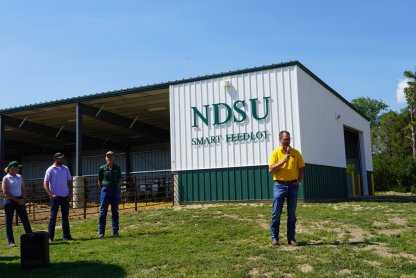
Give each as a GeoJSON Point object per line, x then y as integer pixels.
{"type": "Point", "coordinates": [146, 107]}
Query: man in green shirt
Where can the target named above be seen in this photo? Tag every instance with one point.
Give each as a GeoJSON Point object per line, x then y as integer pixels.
{"type": "Point", "coordinates": [109, 178]}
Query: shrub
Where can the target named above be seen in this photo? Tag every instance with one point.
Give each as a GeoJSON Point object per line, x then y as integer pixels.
{"type": "Point", "coordinates": [396, 173]}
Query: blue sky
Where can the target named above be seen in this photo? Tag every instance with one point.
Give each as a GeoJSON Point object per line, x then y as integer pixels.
{"type": "Point", "coordinates": [52, 50]}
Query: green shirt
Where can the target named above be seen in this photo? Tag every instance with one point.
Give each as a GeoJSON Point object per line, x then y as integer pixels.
{"type": "Point", "coordinates": [109, 177]}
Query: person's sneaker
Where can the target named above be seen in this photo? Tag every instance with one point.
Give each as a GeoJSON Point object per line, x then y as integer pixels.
{"type": "Point", "coordinates": [293, 243]}
{"type": "Point", "coordinates": [12, 244]}
{"type": "Point", "coordinates": [116, 235]}
{"type": "Point", "coordinates": [101, 236]}
{"type": "Point", "coordinates": [275, 242]}
{"type": "Point", "coordinates": [68, 238]}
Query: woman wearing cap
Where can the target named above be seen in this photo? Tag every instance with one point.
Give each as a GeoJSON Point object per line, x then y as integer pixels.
{"type": "Point", "coordinates": [14, 193]}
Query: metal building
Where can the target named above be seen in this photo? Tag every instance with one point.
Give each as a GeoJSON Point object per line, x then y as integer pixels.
{"type": "Point", "coordinates": [215, 133]}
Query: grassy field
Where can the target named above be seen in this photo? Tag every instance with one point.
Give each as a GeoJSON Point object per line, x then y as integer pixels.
{"type": "Point", "coordinates": [365, 239]}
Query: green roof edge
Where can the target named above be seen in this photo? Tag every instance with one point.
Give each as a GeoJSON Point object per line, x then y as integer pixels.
{"type": "Point", "coordinates": [165, 85]}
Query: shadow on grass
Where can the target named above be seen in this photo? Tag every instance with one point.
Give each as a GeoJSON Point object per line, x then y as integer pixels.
{"type": "Point", "coordinates": [72, 269]}
{"type": "Point", "coordinates": [9, 258]}
{"type": "Point", "coordinates": [386, 199]}
{"type": "Point", "coordinates": [336, 243]}
{"type": "Point", "coordinates": [122, 236]}
{"type": "Point", "coordinates": [59, 242]}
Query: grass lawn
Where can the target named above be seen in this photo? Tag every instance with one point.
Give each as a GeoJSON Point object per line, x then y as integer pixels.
{"type": "Point", "coordinates": [370, 239]}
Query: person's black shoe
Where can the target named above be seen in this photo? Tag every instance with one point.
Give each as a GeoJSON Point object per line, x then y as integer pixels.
{"type": "Point", "coordinates": [116, 235]}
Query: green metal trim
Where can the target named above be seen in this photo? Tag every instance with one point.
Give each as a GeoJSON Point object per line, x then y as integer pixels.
{"type": "Point", "coordinates": [165, 85]}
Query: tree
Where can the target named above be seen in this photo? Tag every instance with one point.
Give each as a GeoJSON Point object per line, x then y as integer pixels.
{"type": "Point", "coordinates": [371, 108]}
{"type": "Point", "coordinates": [410, 94]}
{"type": "Point", "coordinates": [390, 137]}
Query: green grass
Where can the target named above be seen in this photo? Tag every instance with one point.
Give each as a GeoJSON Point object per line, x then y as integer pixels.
{"type": "Point", "coordinates": [366, 239]}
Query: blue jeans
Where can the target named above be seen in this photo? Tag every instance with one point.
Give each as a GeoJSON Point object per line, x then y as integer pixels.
{"type": "Point", "coordinates": [108, 196]}
{"type": "Point", "coordinates": [9, 208]}
{"type": "Point", "coordinates": [280, 192]}
{"type": "Point", "coordinates": [64, 203]}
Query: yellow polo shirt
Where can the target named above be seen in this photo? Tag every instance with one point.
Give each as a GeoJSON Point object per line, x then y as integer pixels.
{"type": "Point", "coordinates": [289, 170]}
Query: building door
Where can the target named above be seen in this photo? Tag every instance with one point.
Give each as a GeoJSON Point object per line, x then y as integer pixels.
{"type": "Point", "coordinates": [352, 153]}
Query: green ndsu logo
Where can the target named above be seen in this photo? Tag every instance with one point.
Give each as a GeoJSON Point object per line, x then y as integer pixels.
{"type": "Point", "coordinates": [237, 112]}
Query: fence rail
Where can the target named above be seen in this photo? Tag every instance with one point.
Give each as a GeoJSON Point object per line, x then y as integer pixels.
{"type": "Point", "coordinates": [137, 191]}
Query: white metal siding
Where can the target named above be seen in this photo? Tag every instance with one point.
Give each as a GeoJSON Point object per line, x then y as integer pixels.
{"type": "Point", "coordinates": [322, 134]}
{"type": "Point", "coordinates": [280, 84]}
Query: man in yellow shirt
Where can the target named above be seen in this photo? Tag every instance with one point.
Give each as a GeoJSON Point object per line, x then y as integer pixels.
{"type": "Point", "coordinates": [286, 164]}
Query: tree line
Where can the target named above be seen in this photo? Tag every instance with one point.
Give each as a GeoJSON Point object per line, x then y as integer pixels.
{"type": "Point", "coordinates": [393, 140]}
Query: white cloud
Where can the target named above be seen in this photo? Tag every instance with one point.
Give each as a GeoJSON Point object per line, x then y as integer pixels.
{"type": "Point", "coordinates": [399, 91]}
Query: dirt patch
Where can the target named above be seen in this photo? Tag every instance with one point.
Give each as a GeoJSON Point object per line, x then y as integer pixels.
{"type": "Point", "coordinates": [256, 258]}
{"type": "Point", "coordinates": [254, 272]}
{"type": "Point", "coordinates": [233, 216]}
{"type": "Point", "coordinates": [305, 268]}
{"type": "Point", "coordinates": [344, 272]}
{"type": "Point", "coordinates": [200, 206]}
{"type": "Point", "coordinates": [373, 263]}
{"type": "Point", "coordinates": [348, 207]}
{"type": "Point", "coordinates": [353, 233]}
{"type": "Point", "coordinates": [263, 224]}
{"type": "Point", "coordinates": [393, 193]}
{"type": "Point", "coordinates": [408, 256]}
{"type": "Point", "coordinates": [398, 221]}
{"type": "Point", "coordinates": [377, 224]}
{"type": "Point", "coordinates": [382, 226]}
{"type": "Point", "coordinates": [385, 252]}
{"type": "Point", "coordinates": [311, 228]}
{"type": "Point", "coordinates": [390, 232]}
{"type": "Point", "coordinates": [351, 207]}
{"type": "Point", "coordinates": [288, 247]}
{"type": "Point", "coordinates": [130, 227]}
{"type": "Point", "coordinates": [302, 229]}
{"type": "Point", "coordinates": [357, 234]}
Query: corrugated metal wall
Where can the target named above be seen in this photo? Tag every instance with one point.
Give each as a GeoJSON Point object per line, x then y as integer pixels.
{"type": "Point", "coordinates": [150, 161]}
{"type": "Point", "coordinates": [35, 169]}
{"type": "Point", "coordinates": [255, 183]}
{"type": "Point", "coordinates": [280, 84]}
{"type": "Point", "coordinates": [141, 161]}
{"type": "Point", "coordinates": [325, 182]}
{"type": "Point", "coordinates": [229, 184]}
{"type": "Point", "coordinates": [91, 164]}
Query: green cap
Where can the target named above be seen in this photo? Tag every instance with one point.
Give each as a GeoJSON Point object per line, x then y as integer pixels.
{"type": "Point", "coordinates": [14, 164]}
